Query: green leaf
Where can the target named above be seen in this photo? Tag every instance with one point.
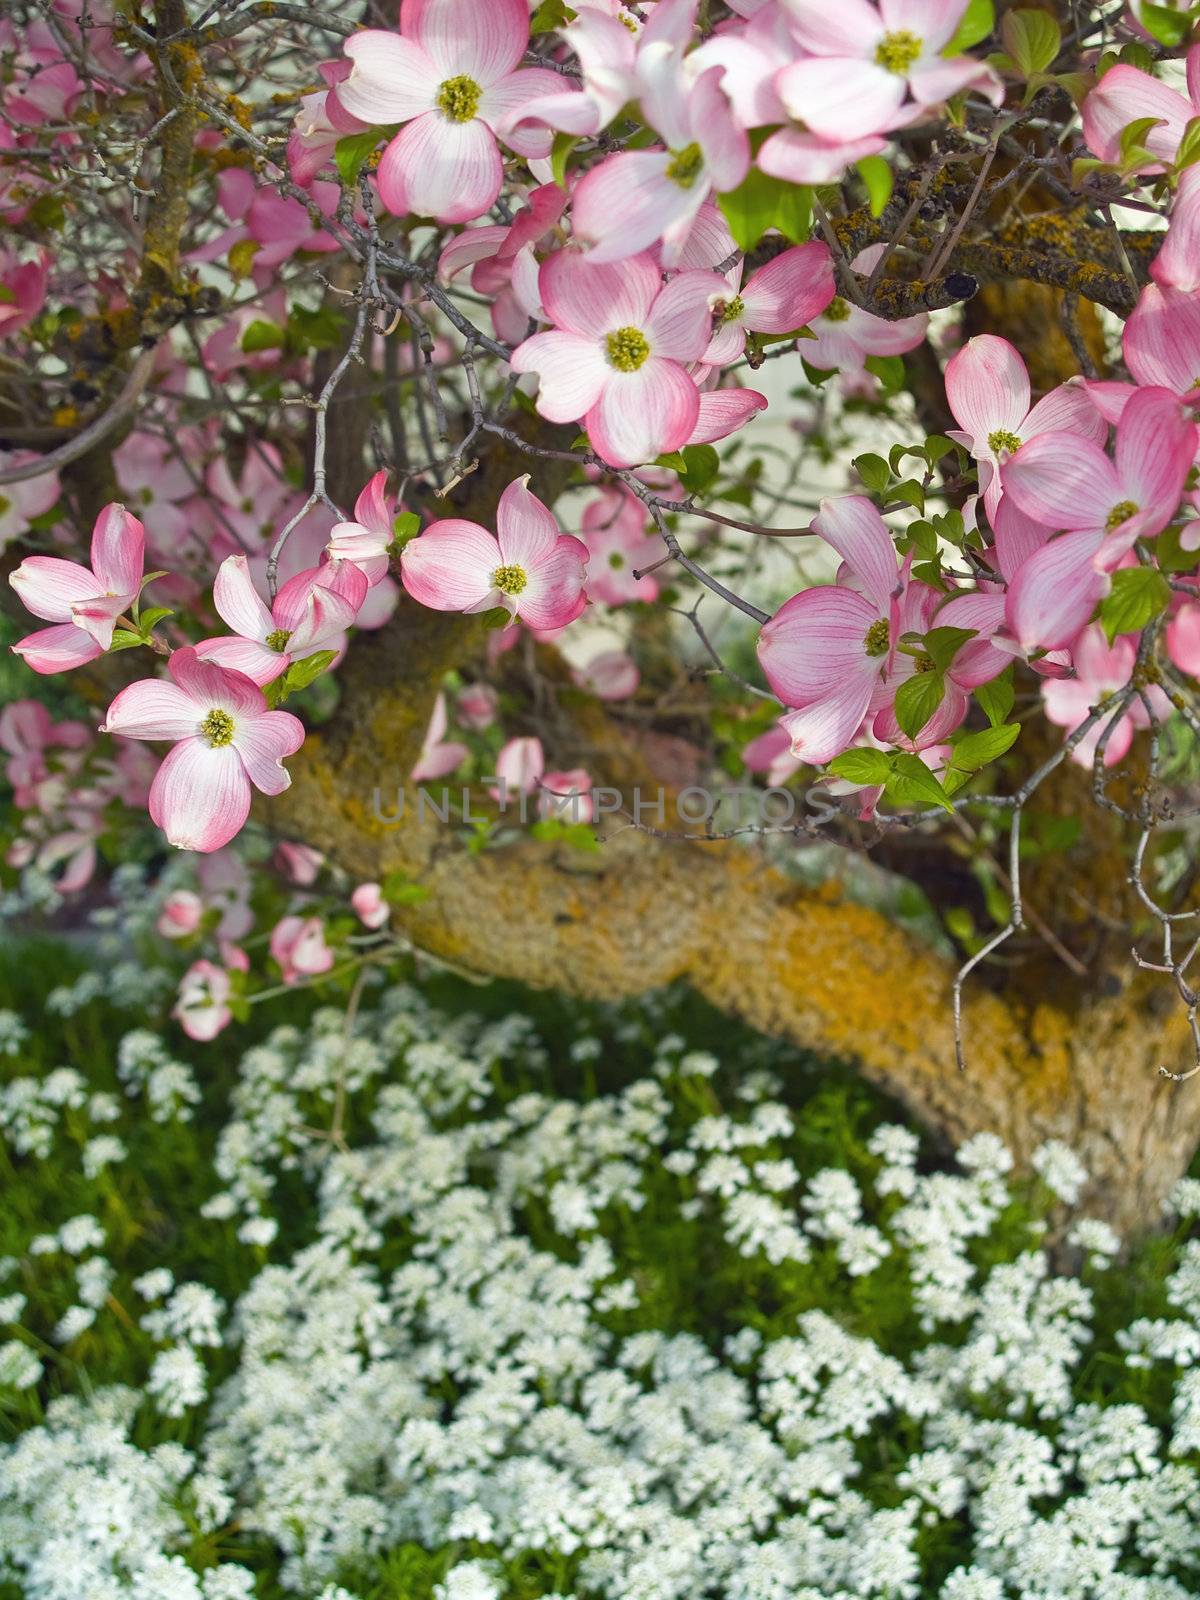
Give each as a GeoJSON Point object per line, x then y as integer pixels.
{"type": "Point", "coordinates": [996, 698]}
{"type": "Point", "coordinates": [1169, 551]}
{"type": "Point", "coordinates": [911, 492]}
{"type": "Point", "coordinates": [701, 464]}
{"type": "Point", "coordinates": [322, 329]}
{"type": "Point", "coordinates": [867, 767]}
{"type": "Point", "coordinates": [1189, 146]}
{"type": "Point", "coordinates": [793, 211]}
{"type": "Point", "coordinates": [874, 472]}
{"type": "Point", "coordinates": [1032, 39]}
{"type": "Point", "coordinates": [917, 699]}
{"type": "Point", "coordinates": [877, 179]}
{"type": "Point", "coordinates": [975, 750]}
{"type": "Point", "coordinates": [889, 370]}
{"type": "Point", "coordinates": [301, 673]}
{"type": "Point", "coordinates": [350, 153]}
{"type": "Point", "coordinates": [760, 202]}
{"type": "Point", "coordinates": [398, 889]}
{"type": "Point", "coordinates": [123, 639]}
{"type": "Point", "coordinates": [941, 645]}
{"type": "Point", "coordinates": [550, 16]}
{"type": "Point", "coordinates": [1133, 150]}
{"type": "Point", "coordinates": [912, 783]}
{"type": "Point", "coordinates": [978, 20]}
{"type": "Point", "coordinates": [563, 144]}
{"type": "Point", "coordinates": [1139, 594]}
{"type": "Point", "coordinates": [262, 335]}
{"type": "Point", "coordinates": [150, 619]}
{"type": "Point", "coordinates": [406, 526]}
{"type": "Point", "coordinates": [1164, 23]}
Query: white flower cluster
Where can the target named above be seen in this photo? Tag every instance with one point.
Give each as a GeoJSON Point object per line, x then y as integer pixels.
{"type": "Point", "coordinates": [641, 1340]}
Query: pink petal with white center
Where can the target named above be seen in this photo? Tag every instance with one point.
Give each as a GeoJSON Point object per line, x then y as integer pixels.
{"type": "Point", "coordinates": [722, 139]}
{"type": "Point", "coordinates": [467, 248]}
{"type": "Point", "coordinates": [450, 171]}
{"type": "Point", "coordinates": [1055, 592]}
{"type": "Point", "coordinates": [589, 298]}
{"type": "Point", "coordinates": [252, 659]}
{"type": "Point", "coordinates": [1156, 444]}
{"type": "Point", "coordinates": [209, 685]}
{"type": "Point", "coordinates": [1017, 537]}
{"type": "Point", "coordinates": [751, 61]}
{"type": "Point", "coordinates": [1109, 398]}
{"type": "Point", "coordinates": [373, 508]}
{"type": "Point", "coordinates": [1161, 340]}
{"type": "Point", "coordinates": [840, 97]}
{"type": "Point", "coordinates": [571, 372]}
{"type": "Point", "coordinates": [503, 106]}
{"type": "Point", "coordinates": [1062, 481]}
{"type": "Point", "coordinates": [237, 602]}
{"type": "Point", "coordinates": [1124, 95]}
{"type": "Point", "coordinates": [342, 578]}
{"type": "Point", "coordinates": [391, 78]}
{"type": "Point", "coordinates": [626, 204]}
{"type": "Point", "coordinates": [1069, 408]}
{"type": "Point", "coordinates": [483, 39]}
{"type": "Point", "coordinates": [519, 766]}
{"type": "Point", "coordinates": [326, 617]}
{"type": "Point", "coordinates": [365, 549]}
{"type": "Point", "coordinates": [153, 708]}
{"type": "Point", "coordinates": [1183, 639]}
{"type": "Point", "coordinates": [790, 290]}
{"type": "Point", "coordinates": [643, 414]}
{"type": "Point", "coordinates": [852, 28]}
{"type": "Point", "coordinates": [525, 528]}
{"type": "Point", "coordinates": [98, 616]}
{"type": "Point", "coordinates": [57, 649]}
{"type": "Point", "coordinates": [934, 22]}
{"type": "Point", "coordinates": [932, 81]}
{"type": "Point", "coordinates": [118, 551]}
{"type": "Point", "coordinates": [825, 728]}
{"type": "Point", "coordinates": [978, 661]}
{"type": "Point", "coordinates": [200, 796]}
{"type": "Point", "coordinates": [48, 586]}
{"type": "Point", "coordinates": [680, 319]}
{"type": "Point", "coordinates": [569, 112]}
{"type": "Point", "coordinates": [798, 156]}
{"type": "Point", "coordinates": [726, 345]}
{"type": "Point", "coordinates": [724, 411]}
{"type": "Point", "coordinates": [1177, 264]}
{"type": "Point", "coordinates": [263, 742]}
{"type": "Point", "coordinates": [854, 528]}
{"type": "Point", "coordinates": [449, 567]}
{"type": "Point", "coordinates": [817, 640]}
{"type": "Point", "coordinates": [987, 387]}
{"type": "Point", "coordinates": [553, 595]}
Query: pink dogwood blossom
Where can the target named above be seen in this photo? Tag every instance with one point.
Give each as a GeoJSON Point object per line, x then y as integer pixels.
{"type": "Point", "coordinates": [785, 294]}
{"type": "Point", "coordinates": [861, 63]}
{"type": "Point", "coordinates": [299, 863]}
{"type": "Point", "coordinates": [1126, 94]}
{"type": "Point", "coordinates": [226, 741]}
{"type": "Point", "coordinates": [439, 756]}
{"type": "Point", "coordinates": [614, 527]}
{"type": "Point", "coordinates": [298, 945]}
{"type": "Point", "coordinates": [527, 566]}
{"type": "Point", "coordinates": [310, 613]}
{"type": "Point", "coordinates": [567, 795]}
{"type": "Point", "coordinates": [1101, 670]}
{"type": "Point", "coordinates": [844, 335]}
{"type": "Point", "coordinates": [21, 502]}
{"type": "Point", "coordinates": [366, 540]}
{"type": "Point", "coordinates": [181, 914]}
{"type": "Point", "coordinates": [476, 705]}
{"type": "Point", "coordinates": [987, 389]}
{"type": "Point", "coordinates": [610, 675]}
{"type": "Point", "coordinates": [369, 906]}
{"type": "Point", "coordinates": [519, 768]}
{"type": "Point", "coordinates": [22, 291]}
{"type": "Point", "coordinates": [83, 603]}
{"type": "Point", "coordinates": [452, 77]}
{"type": "Point", "coordinates": [1177, 264]}
{"type": "Point", "coordinates": [614, 358]}
{"type": "Point", "coordinates": [202, 1008]}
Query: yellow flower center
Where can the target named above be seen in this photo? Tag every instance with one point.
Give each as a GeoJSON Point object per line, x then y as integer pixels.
{"type": "Point", "coordinates": [217, 728]}
{"type": "Point", "coordinates": [616, 560]}
{"type": "Point", "coordinates": [733, 312]}
{"type": "Point", "coordinates": [1002, 439]}
{"type": "Point", "coordinates": [877, 638]}
{"type": "Point", "coordinates": [627, 349]}
{"type": "Point", "coordinates": [458, 99]}
{"type": "Point", "coordinates": [1121, 512]}
{"type": "Point", "coordinates": [685, 165]}
{"type": "Point", "coordinates": [628, 22]}
{"type": "Point", "coordinates": [896, 52]}
{"type": "Point", "coordinates": [278, 640]}
{"type": "Point", "coordinates": [923, 663]}
{"type": "Point", "coordinates": [837, 310]}
{"type": "Point", "coordinates": [509, 580]}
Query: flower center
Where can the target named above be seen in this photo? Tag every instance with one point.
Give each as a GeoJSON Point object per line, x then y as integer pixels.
{"type": "Point", "coordinates": [509, 580]}
{"type": "Point", "coordinates": [627, 349]}
{"type": "Point", "coordinates": [923, 663]}
{"type": "Point", "coordinates": [1002, 439]}
{"type": "Point", "coordinates": [896, 52]}
{"type": "Point", "coordinates": [458, 99]}
{"type": "Point", "coordinates": [616, 560]}
{"type": "Point", "coordinates": [217, 728]}
{"type": "Point", "coordinates": [1121, 512]}
{"type": "Point", "coordinates": [877, 638]}
{"type": "Point", "coordinates": [685, 165]}
{"type": "Point", "coordinates": [731, 312]}
{"type": "Point", "coordinates": [837, 310]}
{"type": "Point", "coordinates": [628, 22]}
{"type": "Point", "coordinates": [278, 639]}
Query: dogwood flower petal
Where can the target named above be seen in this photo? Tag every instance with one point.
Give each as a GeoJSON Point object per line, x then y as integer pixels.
{"type": "Point", "coordinates": [200, 796]}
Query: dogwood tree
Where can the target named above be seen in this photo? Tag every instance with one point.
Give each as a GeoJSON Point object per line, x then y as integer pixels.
{"type": "Point", "coordinates": [618, 412]}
